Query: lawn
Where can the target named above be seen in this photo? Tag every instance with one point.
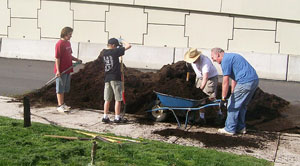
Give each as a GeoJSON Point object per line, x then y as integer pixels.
{"type": "Point", "coordinates": [29, 146]}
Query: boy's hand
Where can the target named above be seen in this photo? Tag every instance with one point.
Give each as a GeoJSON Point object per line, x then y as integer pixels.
{"type": "Point", "coordinates": [120, 40]}
{"type": "Point", "coordinates": [57, 74]}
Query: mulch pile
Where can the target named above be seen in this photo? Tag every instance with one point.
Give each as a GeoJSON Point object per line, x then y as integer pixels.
{"type": "Point", "coordinates": [87, 88]}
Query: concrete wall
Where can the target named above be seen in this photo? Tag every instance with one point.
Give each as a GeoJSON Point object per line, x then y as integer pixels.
{"type": "Point", "coordinates": [90, 51]}
{"type": "Point", "coordinates": [293, 68]}
{"type": "Point", "coordinates": [269, 28]}
{"type": "Point", "coordinates": [268, 66]}
{"type": "Point", "coordinates": [31, 49]}
{"type": "Point", "coordinates": [149, 57]}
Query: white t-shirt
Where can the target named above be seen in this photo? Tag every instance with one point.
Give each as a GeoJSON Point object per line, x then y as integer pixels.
{"type": "Point", "coordinates": [204, 65]}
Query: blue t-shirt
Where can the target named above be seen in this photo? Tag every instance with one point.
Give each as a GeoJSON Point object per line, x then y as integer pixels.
{"type": "Point", "coordinates": [237, 68]}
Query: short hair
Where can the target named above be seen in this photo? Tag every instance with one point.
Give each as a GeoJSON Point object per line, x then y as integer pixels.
{"type": "Point", "coordinates": [217, 49]}
{"type": "Point", "coordinates": [65, 31]}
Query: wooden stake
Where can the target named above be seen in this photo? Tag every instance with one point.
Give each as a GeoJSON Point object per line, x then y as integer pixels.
{"type": "Point", "coordinates": [93, 152]}
{"type": "Point", "coordinates": [27, 120]}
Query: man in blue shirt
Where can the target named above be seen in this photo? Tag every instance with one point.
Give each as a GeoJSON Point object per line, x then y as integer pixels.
{"type": "Point", "coordinates": [243, 85]}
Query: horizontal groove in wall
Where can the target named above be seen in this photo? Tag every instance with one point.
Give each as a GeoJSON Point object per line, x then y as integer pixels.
{"type": "Point", "coordinates": [166, 24]}
{"type": "Point", "coordinates": [25, 18]}
{"type": "Point", "coordinates": [89, 20]}
{"type": "Point", "coordinates": [256, 29]}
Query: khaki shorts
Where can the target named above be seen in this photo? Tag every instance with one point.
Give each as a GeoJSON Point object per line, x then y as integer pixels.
{"type": "Point", "coordinates": [113, 88]}
{"type": "Point", "coordinates": [211, 86]}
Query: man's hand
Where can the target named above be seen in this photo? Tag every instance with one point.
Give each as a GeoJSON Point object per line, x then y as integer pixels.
{"type": "Point", "coordinates": [223, 104]}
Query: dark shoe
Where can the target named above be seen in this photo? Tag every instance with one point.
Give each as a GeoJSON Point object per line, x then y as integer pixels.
{"type": "Point", "coordinates": [121, 120]}
{"type": "Point", "coordinates": [105, 120]}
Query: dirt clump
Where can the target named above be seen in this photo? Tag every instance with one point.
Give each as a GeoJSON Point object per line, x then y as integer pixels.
{"type": "Point", "coordinates": [87, 88]}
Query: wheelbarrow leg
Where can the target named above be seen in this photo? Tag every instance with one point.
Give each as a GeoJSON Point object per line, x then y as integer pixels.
{"type": "Point", "coordinates": [186, 118]}
{"type": "Point", "coordinates": [176, 118]}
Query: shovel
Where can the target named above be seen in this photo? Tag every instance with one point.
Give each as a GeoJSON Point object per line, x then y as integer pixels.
{"type": "Point", "coordinates": [52, 79]}
{"type": "Point", "coordinates": [188, 72]}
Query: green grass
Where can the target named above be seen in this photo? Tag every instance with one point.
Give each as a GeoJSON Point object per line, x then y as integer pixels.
{"type": "Point", "coordinates": [28, 146]}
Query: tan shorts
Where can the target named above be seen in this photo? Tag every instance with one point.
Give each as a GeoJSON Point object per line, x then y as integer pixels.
{"type": "Point", "coordinates": [211, 86]}
{"type": "Point", "coordinates": [113, 88]}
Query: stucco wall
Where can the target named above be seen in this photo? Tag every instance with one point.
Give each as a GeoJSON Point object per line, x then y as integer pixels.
{"type": "Point", "coordinates": [270, 26]}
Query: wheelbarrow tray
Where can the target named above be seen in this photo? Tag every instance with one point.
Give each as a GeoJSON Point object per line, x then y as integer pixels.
{"type": "Point", "coordinates": [172, 103]}
{"type": "Point", "coordinates": [179, 102]}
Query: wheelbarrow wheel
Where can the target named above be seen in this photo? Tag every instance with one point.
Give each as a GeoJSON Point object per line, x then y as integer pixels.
{"type": "Point", "coordinates": [160, 115]}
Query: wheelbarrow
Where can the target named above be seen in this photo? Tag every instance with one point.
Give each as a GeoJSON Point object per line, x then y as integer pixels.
{"type": "Point", "coordinates": [172, 103]}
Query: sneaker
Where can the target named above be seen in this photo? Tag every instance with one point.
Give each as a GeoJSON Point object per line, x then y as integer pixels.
{"type": "Point", "coordinates": [62, 109]}
{"type": "Point", "coordinates": [243, 131]}
{"type": "Point", "coordinates": [223, 131]}
{"type": "Point", "coordinates": [105, 120]}
{"type": "Point", "coordinates": [121, 120]}
{"type": "Point", "coordinates": [67, 107]}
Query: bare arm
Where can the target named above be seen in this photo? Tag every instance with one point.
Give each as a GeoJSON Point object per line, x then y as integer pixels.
{"type": "Point", "coordinates": [204, 80]}
{"type": "Point", "coordinates": [76, 59]}
{"type": "Point", "coordinates": [233, 84]}
{"type": "Point", "coordinates": [126, 44]}
{"type": "Point", "coordinates": [57, 64]}
{"type": "Point", "coordinates": [225, 86]}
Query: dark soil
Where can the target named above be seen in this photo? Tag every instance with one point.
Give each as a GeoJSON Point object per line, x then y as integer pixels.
{"type": "Point", "coordinates": [87, 88]}
{"type": "Point", "coordinates": [221, 141]}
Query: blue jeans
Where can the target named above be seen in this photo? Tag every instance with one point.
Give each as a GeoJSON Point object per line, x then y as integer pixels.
{"type": "Point", "coordinates": [63, 83]}
{"type": "Point", "coordinates": [237, 106]}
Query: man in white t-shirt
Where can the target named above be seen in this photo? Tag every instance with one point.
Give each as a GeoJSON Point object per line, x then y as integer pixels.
{"type": "Point", "coordinates": [206, 74]}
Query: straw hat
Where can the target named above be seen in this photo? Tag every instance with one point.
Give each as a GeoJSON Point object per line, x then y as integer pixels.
{"type": "Point", "coordinates": [192, 55]}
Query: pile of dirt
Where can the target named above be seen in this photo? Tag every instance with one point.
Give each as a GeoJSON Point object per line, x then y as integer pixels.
{"type": "Point", "coordinates": [87, 88]}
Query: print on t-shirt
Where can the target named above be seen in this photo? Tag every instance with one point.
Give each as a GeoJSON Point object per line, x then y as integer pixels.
{"type": "Point", "coordinates": [112, 64]}
{"type": "Point", "coordinates": [109, 63]}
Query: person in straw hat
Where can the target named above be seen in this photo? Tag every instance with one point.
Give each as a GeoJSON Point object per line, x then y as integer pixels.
{"type": "Point", "coordinates": [206, 74]}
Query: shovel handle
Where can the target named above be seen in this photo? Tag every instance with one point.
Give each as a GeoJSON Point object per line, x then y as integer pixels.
{"type": "Point", "coordinates": [52, 79]}
{"type": "Point", "coordinates": [187, 76]}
